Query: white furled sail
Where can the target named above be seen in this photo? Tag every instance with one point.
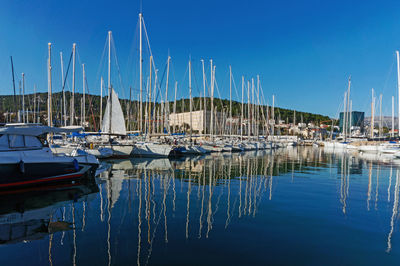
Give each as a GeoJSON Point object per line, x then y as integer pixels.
{"type": "Point", "coordinates": [114, 124]}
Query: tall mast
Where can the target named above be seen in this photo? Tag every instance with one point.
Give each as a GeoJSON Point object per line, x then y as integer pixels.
{"type": "Point", "coordinates": [101, 99]}
{"type": "Point", "coordinates": [149, 105]}
{"type": "Point", "coordinates": [190, 99]}
{"type": "Point", "coordinates": [241, 113]}
{"type": "Point", "coordinates": [252, 107]}
{"type": "Point", "coordinates": [230, 101]}
{"type": "Point", "coordinates": [72, 118]}
{"type": "Point", "coordinates": [212, 102]}
{"type": "Point", "coordinates": [64, 112]}
{"type": "Point", "coordinates": [84, 96]}
{"type": "Point", "coordinates": [129, 108]}
{"type": "Point", "coordinates": [248, 109]}
{"type": "Point", "coordinates": [140, 74]}
{"type": "Point", "coordinates": [398, 85]}
{"type": "Point", "coordinates": [109, 82]}
{"type": "Point", "coordinates": [350, 118]}
{"type": "Point", "coordinates": [344, 115]}
{"type": "Point", "coordinates": [49, 107]}
{"type": "Point", "coordinates": [380, 115]}
{"type": "Point", "coordinates": [154, 100]}
{"type": "Point", "coordinates": [392, 134]}
{"type": "Point", "coordinates": [23, 98]}
{"type": "Point", "coordinates": [348, 128]}
{"type": "Point", "coordinates": [166, 108]}
{"type": "Point", "coordinates": [258, 107]}
{"type": "Point", "coordinates": [273, 115]}
{"type": "Point", "coordinates": [34, 103]}
{"type": "Point", "coordinates": [13, 80]}
{"type": "Point", "coordinates": [38, 110]}
{"type": "Point", "coordinates": [205, 99]}
{"type": "Point", "coordinates": [176, 117]}
{"type": "Point", "coordinates": [372, 114]}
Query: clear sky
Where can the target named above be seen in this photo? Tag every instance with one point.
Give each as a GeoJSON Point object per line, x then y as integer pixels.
{"type": "Point", "coordinates": [303, 51]}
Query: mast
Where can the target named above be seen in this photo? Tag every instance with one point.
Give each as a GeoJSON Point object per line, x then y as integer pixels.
{"type": "Point", "coordinates": [348, 108]}
{"type": "Point", "coordinates": [372, 114]}
{"type": "Point", "coordinates": [248, 110]}
{"type": "Point", "coordinates": [258, 107]}
{"type": "Point", "coordinates": [176, 117]}
{"type": "Point", "coordinates": [241, 113]}
{"type": "Point", "coordinates": [72, 118]}
{"type": "Point", "coordinates": [344, 115]}
{"type": "Point", "coordinates": [64, 112]}
{"type": "Point", "coordinates": [351, 117]}
{"type": "Point", "coordinates": [252, 107]}
{"type": "Point", "coordinates": [149, 105]}
{"type": "Point", "coordinates": [129, 108]}
{"type": "Point", "coordinates": [23, 98]}
{"type": "Point", "coordinates": [34, 103]}
{"type": "Point", "coordinates": [166, 108]}
{"type": "Point", "coordinates": [273, 115]}
{"type": "Point", "coordinates": [140, 74]}
{"type": "Point", "coordinates": [154, 100]}
{"type": "Point", "coordinates": [398, 85]}
{"type": "Point", "coordinates": [13, 80]}
{"type": "Point", "coordinates": [101, 100]}
{"type": "Point", "coordinates": [230, 101]}
{"type": "Point", "coordinates": [190, 100]}
{"type": "Point", "coordinates": [49, 102]}
{"type": "Point", "coordinates": [84, 96]}
{"type": "Point", "coordinates": [294, 120]}
{"type": "Point", "coordinates": [380, 115]}
{"type": "Point", "coordinates": [109, 82]}
{"type": "Point", "coordinates": [392, 134]}
{"type": "Point", "coordinates": [205, 100]}
{"type": "Point", "coordinates": [212, 102]}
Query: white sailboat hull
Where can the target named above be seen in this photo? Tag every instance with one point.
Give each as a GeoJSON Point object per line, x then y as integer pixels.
{"type": "Point", "coordinates": [151, 150]}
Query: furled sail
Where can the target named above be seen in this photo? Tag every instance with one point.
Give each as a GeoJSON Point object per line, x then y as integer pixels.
{"type": "Point", "coordinates": [116, 123]}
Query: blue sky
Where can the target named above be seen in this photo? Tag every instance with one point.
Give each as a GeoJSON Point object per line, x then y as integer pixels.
{"type": "Point", "coordinates": [303, 51]}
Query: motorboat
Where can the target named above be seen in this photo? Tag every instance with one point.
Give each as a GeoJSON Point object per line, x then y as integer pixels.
{"type": "Point", "coordinates": [26, 159]}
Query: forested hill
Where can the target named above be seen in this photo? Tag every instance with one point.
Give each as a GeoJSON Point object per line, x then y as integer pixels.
{"type": "Point", "coordinates": [92, 102]}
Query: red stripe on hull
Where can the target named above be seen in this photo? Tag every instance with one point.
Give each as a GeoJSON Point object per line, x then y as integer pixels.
{"type": "Point", "coordinates": [30, 182]}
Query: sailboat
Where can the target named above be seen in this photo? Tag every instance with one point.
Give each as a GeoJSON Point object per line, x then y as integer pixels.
{"type": "Point", "coordinates": [114, 125]}
{"type": "Point", "coordinates": [148, 148]}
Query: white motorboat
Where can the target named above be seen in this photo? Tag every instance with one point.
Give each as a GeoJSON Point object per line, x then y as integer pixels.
{"type": "Point", "coordinates": [25, 160]}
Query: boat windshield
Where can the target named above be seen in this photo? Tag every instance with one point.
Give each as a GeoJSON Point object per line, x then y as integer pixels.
{"type": "Point", "coordinates": [10, 141]}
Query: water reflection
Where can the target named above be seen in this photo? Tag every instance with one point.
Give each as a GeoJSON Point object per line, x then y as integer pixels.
{"type": "Point", "coordinates": [146, 211]}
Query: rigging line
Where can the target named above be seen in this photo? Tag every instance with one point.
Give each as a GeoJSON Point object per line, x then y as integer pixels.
{"type": "Point", "coordinates": [90, 103]}
{"type": "Point", "coordinates": [159, 92]}
{"type": "Point", "coordinates": [184, 76]}
{"type": "Point", "coordinates": [196, 86]}
{"type": "Point", "coordinates": [99, 70]}
{"type": "Point", "coordinates": [234, 85]}
{"type": "Point", "coordinates": [219, 95]}
{"type": "Point", "coordinates": [133, 58]}
{"type": "Point", "coordinates": [118, 69]}
{"type": "Point", "coordinates": [65, 81]}
{"type": "Point", "coordinates": [148, 44]}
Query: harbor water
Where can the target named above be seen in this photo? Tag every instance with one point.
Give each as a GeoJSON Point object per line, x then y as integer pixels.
{"type": "Point", "coordinates": [291, 206]}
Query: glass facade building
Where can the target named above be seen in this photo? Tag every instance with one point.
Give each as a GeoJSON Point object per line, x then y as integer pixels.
{"type": "Point", "coordinates": [356, 120]}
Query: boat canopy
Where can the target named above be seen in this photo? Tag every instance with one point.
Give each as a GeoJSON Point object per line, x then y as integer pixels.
{"type": "Point", "coordinates": [32, 130]}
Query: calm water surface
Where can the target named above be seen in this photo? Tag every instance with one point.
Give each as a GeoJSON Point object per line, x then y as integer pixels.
{"type": "Point", "coordinates": [298, 206]}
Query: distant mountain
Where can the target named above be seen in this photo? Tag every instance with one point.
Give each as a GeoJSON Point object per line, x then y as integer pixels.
{"type": "Point", "coordinates": [9, 104]}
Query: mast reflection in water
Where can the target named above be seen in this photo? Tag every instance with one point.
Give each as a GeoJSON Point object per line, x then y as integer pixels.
{"type": "Point", "coordinates": [289, 206]}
